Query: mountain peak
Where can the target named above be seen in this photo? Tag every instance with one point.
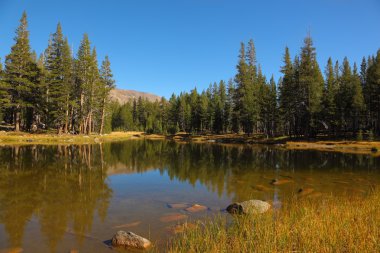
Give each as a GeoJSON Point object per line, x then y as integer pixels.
{"type": "Point", "coordinates": [123, 96]}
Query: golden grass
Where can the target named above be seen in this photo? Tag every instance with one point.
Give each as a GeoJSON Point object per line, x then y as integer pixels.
{"type": "Point", "coordinates": [23, 138]}
{"type": "Point", "coordinates": [354, 147]}
{"type": "Point", "coordinates": [335, 224]}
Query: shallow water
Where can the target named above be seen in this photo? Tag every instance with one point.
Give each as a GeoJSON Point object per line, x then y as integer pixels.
{"type": "Point", "coordinates": [59, 198]}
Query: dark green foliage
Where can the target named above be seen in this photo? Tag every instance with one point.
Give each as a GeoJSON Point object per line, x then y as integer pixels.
{"type": "Point", "coordinates": [5, 98]}
{"type": "Point", "coordinates": [72, 95]}
{"type": "Point", "coordinates": [21, 75]}
{"type": "Point", "coordinates": [59, 80]}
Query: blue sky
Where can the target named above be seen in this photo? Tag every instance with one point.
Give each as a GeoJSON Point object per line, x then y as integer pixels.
{"type": "Point", "coordinates": [173, 45]}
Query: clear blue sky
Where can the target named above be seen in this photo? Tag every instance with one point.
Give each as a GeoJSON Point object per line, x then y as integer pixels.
{"type": "Point", "coordinates": [171, 46]}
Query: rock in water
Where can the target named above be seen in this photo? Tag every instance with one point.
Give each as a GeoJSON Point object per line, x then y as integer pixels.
{"type": "Point", "coordinates": [196, 208]}
{"type": "Point", "coordinates": [178, 205]}
{"type": "Point", "coordinates": [248, 207]}
{"type": "Point", "coordinates": [280, 181]}
{"type": "Point", "coordinates": [130, 240]}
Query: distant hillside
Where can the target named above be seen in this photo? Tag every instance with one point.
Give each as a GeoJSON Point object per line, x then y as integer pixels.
{"type": "Point", "coordinates": [123, 96]}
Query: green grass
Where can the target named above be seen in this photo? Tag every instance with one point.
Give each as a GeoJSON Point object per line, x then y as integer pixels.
{"type": "Point", "coordinates": [334, 224]}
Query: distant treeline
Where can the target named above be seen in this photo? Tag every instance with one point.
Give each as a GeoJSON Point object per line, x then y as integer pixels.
{"type": "Point", "coordinates": [303, 103]}
{"type": "Point", "coordinates": [56, 90]}
{"type": "Point", "coordinates": [71, 95]}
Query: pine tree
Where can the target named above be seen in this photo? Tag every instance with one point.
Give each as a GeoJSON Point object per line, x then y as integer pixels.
{"type": "Point", "coordinates": [86, 76]}
{"type": "Point", "coordinates": [328, 101]}
{"type": "Point", "coordinates": [311, 88]}
{"type": "Point", "coordinates": [203, 110]}
{"type": "Point", "coordinates": [272, 107]}
{"type": "Point", "coordinates": [246, 104]}
{"type": "Point", "coordinates": [223, 100]}
{"type": "Point", "coordinates": [358, 103]}
{"type": "Point", "coordinates": [344, 100]}
{"type": "Point", "coordinates": [286, 95]}
{"type": "Point", "coordinates": [373, 93]}
{"type": "Point", "coordinates": [107, 84]}
{"type": "Point", "coordinates": [218, 107]}
{"type": "Point", "coordinates": [194, 101]}
{"type": "Point", "coordinates": [58, 65]}
{"type": "Point", "coordinates": [228, 106]}
{"type": "Point", "coordinates": [5, 99]}
{"type": "Point", "coordinates": [20, 73]}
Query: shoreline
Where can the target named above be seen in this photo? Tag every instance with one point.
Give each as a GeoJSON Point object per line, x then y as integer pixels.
{"type": "Point", "coordinates": [342, 146]}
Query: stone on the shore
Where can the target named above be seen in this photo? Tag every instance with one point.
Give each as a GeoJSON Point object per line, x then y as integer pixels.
{"type": "Point", "coordinates": [249, 207]}
{"type": "Point", "coordinates": [196, 208]}
{"type": "Point", "coordinates": [130, 240]}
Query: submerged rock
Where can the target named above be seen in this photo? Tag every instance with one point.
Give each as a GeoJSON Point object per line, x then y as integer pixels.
{"type": "Point", "coordinates": [173, 217]}
{"type": "Point", "coordinates": [12, 250]}
{"type": "Point", "coordinates": [180, 228]}
{"type": "Point", "coordinates": [305, 191]}
{"type": "Point", "coordinates": [130, 240]}
{"type": "Point", "coordinates": [260, 188]}
{"type": "Point", "coordinates": [280, 181]}
{"type": "Point", "coordinates": [128, 225]}
{"type": "Point", "coordinates": [248, 207]}
{"type": "Point", "coordinates": [178, 205]}
{"type": "Point", "coordinates": [196, 208]}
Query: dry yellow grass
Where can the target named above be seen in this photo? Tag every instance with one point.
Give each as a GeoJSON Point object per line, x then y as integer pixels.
{"type": "Point", "coordinates": [22, 138]}
{"type": "Point", "coordinates": [335, 224]}
{"type": "Point", "coordinates": [355, 147]}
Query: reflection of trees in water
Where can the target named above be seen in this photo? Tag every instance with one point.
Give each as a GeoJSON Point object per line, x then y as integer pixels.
{"type": "Point", "coordinates": [65, 186]}
{"type": "Point", "coordinates": [60, 185]}
{"type": "Point", "coordinates": [220, 167]}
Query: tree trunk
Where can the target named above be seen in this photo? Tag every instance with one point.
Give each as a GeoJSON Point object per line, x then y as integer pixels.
{"type": "Point", "coordinates": [17, 119]}
{"type": "Point", "coordinates": [103, 114]}
{"type": "Point", "coordinates": [82, 127]}
{"type": "Point", "coordinates": [89, 127]}
{"type": "Point", "coordinates": [67, 116]}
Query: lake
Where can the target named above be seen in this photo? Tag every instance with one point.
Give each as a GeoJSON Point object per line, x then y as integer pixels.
{"type": "Point", "coordinates": [56, 198]}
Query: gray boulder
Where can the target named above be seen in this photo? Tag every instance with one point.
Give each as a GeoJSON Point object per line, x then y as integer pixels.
{"type": "Point", "coordinates": [130, 240]}
{"type": "Point", "coordinates": [248, 207]}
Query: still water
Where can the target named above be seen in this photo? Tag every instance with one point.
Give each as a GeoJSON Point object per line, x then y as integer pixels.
{"type": "Point", "coordinates": [61, 198]}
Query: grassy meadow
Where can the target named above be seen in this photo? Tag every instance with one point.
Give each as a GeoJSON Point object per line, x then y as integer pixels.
{"type": "Point", "coordinates": [331, 224]}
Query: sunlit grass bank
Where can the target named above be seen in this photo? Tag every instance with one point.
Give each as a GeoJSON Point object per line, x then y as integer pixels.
{"type": "Point", "coordinates": [14, 138]}
{"type": "Point", "coordinates": [332, 224]}
{"type": "Point", "coordinates": [354, 147]}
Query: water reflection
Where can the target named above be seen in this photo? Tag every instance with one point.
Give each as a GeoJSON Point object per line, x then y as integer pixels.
{"type": "Point", "coordinates": [64, 188]}
{"type": "Point", "coordinates": [60, 186]}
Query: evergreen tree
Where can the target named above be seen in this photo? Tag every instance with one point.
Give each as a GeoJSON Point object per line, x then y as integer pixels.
{"type": "Point", "coordinates": [228, 107]}
{"type": "Point", "coordinates": [58, 65]}
{"type": "Point", "coordinates": [373, 93]}
{"type": "Point", "coordinates": [286, 95]}
{"type": "Point", "coordinates": [311, 88]}
{"type": "Point", "coordinates": [329, 103]}
{"type": "Point", "coordinates": [5, 99]}
{"type": "Point", "coordinates": [20, 73]}
{"type": "Point", "coordinates": [88, 84]}
{"type": "Point", "coordinates": [107, 84]}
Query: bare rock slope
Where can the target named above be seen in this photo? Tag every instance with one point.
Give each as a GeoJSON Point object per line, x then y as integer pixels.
{"type": "Point", "coordinates": [123, 96]}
